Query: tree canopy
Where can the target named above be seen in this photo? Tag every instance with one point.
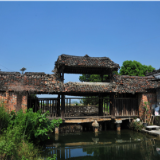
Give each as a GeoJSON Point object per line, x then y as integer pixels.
{"type": "Point", "coordinates": [134, 68]}
{"type": "Point", "coordinates": [131, 68]}
{"type": "Point", "coordinates": [22, 69]}
{"type": "Point", "coordinates": [91, 78]}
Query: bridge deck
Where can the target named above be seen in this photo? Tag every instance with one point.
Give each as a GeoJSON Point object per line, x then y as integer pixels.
{"type": "Point", "coordinates": [87, 119]}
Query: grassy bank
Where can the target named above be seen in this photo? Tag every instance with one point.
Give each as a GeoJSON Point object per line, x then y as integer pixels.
{"type": "Point", "coordinates": [21, 133]}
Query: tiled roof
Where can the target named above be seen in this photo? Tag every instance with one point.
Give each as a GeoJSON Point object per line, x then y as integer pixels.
{"type": "Point", "coordinates": [73, 62]}
{"type": "Point", "coordinates": [51, 83]}
{"type": "Point", "coordinates": [152, 73]}
{"type": "Point", "coordinates": [31, 82]}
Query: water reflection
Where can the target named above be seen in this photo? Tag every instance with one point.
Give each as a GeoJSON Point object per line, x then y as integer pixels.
{"type": "Point", "coordinates": [106, 145]}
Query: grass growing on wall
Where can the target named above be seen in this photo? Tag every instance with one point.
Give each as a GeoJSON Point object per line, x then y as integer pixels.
{"type": "Point", "coordinates": [20, 133]}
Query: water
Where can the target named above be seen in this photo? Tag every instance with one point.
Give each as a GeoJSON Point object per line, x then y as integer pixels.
{"type": "Point", "coordinates": [106, 145]}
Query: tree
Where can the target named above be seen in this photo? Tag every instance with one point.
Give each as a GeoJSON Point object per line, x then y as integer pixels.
{"type": "Point", "coordinates": [134, 68]}
{"type": "Point", "coordinates": [22, 70]}
{"type": "Point", "coordinates": [91, 78]}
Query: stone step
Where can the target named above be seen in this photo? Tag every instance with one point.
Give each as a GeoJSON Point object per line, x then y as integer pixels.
{"type": "Point", "coordinates": [153, 127]}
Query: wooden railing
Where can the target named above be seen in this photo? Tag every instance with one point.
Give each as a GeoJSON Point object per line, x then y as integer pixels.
{"type": "Point", "coordinates": [45, 104]}
{"type": "Point", "coordinates": [115, 107]}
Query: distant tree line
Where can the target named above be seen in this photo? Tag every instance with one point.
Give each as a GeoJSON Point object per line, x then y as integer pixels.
{"type": "Point", "coordinates": [131, 68]}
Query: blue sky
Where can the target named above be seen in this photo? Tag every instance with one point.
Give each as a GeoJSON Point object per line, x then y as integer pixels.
{"type": "Point", "coordinates": [34, 34]}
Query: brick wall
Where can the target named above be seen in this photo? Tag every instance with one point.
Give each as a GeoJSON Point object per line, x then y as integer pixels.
{"type": "Point", "coordinates": [14, 101]}
{"type": "Point", "coordinates": [24, 102]}
{"type": "Point", "coordinates": [146, 97]}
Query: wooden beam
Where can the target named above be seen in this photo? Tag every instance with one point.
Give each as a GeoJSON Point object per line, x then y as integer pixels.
{"type": "Point", "coordinates": [100, 106]}
{"type": "Point", "coordinates": [62, 106]}
{"type": "Point", "coordinates": [58, 105]}
{"type": "Point", "coordinates": [87, 120]}
{"type": "Point", "coordinates": [112, 105]}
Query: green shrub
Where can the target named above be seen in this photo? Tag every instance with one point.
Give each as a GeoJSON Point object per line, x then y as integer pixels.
{"type": "Point", "coordinates": [33, 125]}
{"type": "Point", "coordinates": [136, 125]}
{"type": "Point", "coordinates": [4, 117]}
{"type": "Point", "coordinates": [20, 129]}
{"type": "Point", "coordinates": [13, 146]}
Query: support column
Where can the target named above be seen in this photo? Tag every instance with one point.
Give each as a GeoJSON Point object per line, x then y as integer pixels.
{"type": "Point", "coordinates": [56, 137]}
{"type": "Point", "coordinates": [100, 106]}
{"type": "Point", "coordinates": [105, 126]}
{"type": "Point", "coordinates": [56, 130]}
{"type": "Point", "coordinates": [118, 123]}
{"type": "Point", "coordinates": [58, 105]}
{"type": "Point", "coordinates": [118, 127]}
{"type": "Point", "coordinates": [111, 125]}
{"type": "Point", "coordinates": [62, 106]}
{"type": "Point", "coordinates": [95, 125]}
{"type": "Point", "coordinates": [95, 129]}
{"type": "Point", "coordinates": [112, 105]}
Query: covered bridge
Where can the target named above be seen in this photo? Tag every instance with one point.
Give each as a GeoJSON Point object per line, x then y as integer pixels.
{"type": "Point", "coordinates": [119, 97]}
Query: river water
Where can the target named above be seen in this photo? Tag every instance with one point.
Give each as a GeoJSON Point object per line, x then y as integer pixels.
{"type": "Point", "coordinates": [106, 145]}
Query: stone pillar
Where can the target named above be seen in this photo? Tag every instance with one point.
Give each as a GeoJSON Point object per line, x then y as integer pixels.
{"type": "Point", "coordinates": [118, 123]}
{"type": "Point", "coordinates": [56, 130]}
{"type": "Point", "coordinates": [56, 137]}
{"type": "Point", "coordinates": [95, 129]}
{"type": "Point", "coordinates": [96, 134]}
{"type": "Point", "coordinates": [95, 125]}
{"type": "Point", "coordinates": [118, 127]}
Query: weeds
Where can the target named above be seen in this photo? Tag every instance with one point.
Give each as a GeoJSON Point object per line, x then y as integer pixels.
{"type": "Point", "coordinates": [19, 131]}
{"type": "Point", "coordinates": [4, 117]}
{"type": "Point", "coordinates": [136, 125]}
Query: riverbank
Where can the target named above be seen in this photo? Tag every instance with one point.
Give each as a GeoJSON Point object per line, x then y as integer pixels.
{"type": "Point", "coordinates": [152, 132]}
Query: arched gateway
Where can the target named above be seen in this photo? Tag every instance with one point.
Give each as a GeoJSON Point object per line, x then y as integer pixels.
{"type": "Point", "coordinates": [119, 97]}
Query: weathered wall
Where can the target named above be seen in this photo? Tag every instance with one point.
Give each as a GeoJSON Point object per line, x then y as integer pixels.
{"type": "Point", "coordinates": [30, 82]}
{"type": "Point", "coordinates": [14, 101]}
{"type": "Point", "coordinates": [146, 97]}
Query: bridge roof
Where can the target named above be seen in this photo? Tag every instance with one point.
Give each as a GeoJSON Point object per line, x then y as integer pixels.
{"type": "Point", "coordinates": [51, 83]}
{"type": "Point", "coordinates": [120, 84]}
{"type": "Point", "coordinates": [155, 73]}
{"type": "Point", "coordinates": [85, 64]}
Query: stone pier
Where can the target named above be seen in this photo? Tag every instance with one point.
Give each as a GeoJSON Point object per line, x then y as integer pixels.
{"type": "Point", "coordinates": [118, 122]}
{"type": "Point", "coordinates": [56, 130]}
{"type": "Point", "coordinates": [95, 125]}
